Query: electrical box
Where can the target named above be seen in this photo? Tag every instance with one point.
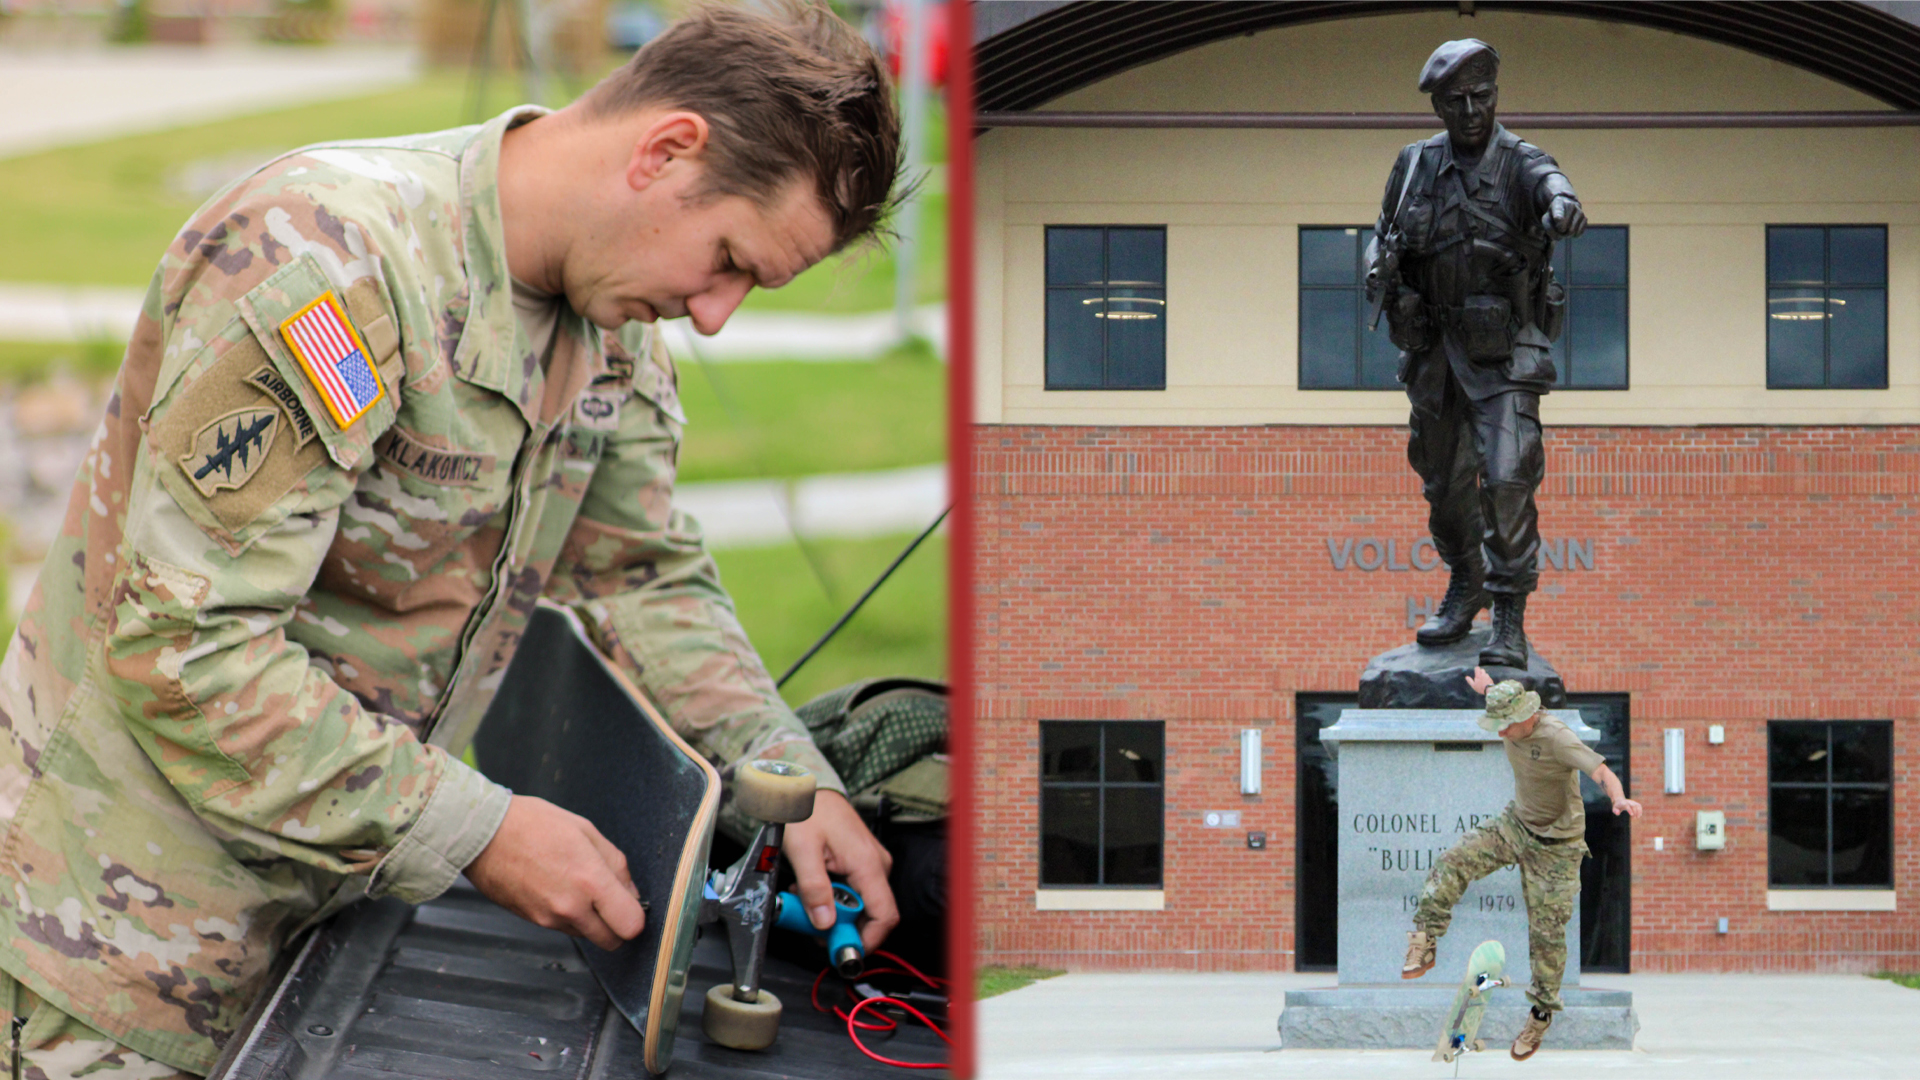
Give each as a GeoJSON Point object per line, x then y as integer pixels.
{"type": "Point", "coordinates": [1257, 841]}
{"type": "Point", "coordinates": [1710, 830]}
{"type": "Point", "coordinates": [1716, 734]}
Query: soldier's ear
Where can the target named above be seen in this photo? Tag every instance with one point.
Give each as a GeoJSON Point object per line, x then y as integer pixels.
{"type": "Point", "coordinates": [679, 135]}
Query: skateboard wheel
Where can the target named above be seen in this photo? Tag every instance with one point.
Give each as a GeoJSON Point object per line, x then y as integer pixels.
{"type": "Point", "coordinates": [776, 792]}
{"type": "Point", "coordinates": [1479, 1046]}
{"type": "Point", "coordinates": [741, 1025]}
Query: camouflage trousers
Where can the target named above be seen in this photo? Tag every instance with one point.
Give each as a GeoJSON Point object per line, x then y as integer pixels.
{"type": "Point", "coordinates": [54, 1046]}
{"type": "Point", "coordinates": [1549, 881]}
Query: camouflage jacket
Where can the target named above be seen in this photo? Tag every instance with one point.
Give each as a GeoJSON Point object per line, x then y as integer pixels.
{"type": "Point", "coordinates": [332, 482]}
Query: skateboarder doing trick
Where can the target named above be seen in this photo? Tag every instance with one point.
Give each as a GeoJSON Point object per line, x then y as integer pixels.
{"type": "Point", "coordinates": [1541, 831]}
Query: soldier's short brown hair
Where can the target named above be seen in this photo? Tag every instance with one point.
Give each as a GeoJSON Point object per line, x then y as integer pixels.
{"type": "Point", "coordinates": [788, 90]}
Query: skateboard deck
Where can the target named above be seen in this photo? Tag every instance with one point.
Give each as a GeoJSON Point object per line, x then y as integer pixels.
{"type": "Point", "coordinates": [1461, 1029]}
{"type": "Point", "coordinates": [568, 727]}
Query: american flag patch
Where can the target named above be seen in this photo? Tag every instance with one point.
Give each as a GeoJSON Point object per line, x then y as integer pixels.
{"type": "Point", "coordinates": [335, 359]}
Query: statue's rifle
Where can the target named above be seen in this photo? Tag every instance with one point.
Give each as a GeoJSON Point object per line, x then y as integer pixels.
{"type": "Point", "coordinates": [1387, 270]}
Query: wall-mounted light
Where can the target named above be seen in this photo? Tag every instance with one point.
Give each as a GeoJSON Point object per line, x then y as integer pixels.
{"type": "Point", "coordinates": [1250, 761]}
{"type": "Point", "coordinates": [1676, 761]}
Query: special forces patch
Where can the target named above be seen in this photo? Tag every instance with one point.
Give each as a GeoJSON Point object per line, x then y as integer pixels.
{"type": "Point", "coordinates": [228, 452]}
{"type": "Point", "coordinates": [288, 399]}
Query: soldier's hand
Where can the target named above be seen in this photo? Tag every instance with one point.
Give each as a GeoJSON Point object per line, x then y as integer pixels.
{"type": "Point", "coordinates": [1564, 218]}
{"type": "Point", "coordinates": [1480, 681]}
{"type": "Point", "coordinates": [554, 869]}
{"type": "Point", "coordinates": [1626, 806]}
{"type": "Point", "coordinates": [835, 841]}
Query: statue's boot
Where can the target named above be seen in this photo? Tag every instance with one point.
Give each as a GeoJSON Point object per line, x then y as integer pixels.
{"type": "Point", "coordinates": [1509, 645]}
{"type": "Point", "coordinates": [1465, 597]}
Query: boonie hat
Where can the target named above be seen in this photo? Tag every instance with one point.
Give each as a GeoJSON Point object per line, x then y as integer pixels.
{"type": "Point", "coordinates": [1468, 57]}
{"type": "Point", "coordinates": [1508, 703]}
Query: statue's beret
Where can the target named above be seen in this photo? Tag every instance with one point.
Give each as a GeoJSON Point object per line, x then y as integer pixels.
{"type": "Point", "coordinates": [1466, 58]}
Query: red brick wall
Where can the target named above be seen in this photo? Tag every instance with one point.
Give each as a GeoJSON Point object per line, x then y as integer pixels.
{"type": "Point", "coordinates": [1182, 574]}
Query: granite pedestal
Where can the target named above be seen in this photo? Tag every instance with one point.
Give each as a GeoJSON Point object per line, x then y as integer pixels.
{"type": "Point", "coordinates": [1416, 676]}
{"type": "Point", "coordinates": [1412, 783]}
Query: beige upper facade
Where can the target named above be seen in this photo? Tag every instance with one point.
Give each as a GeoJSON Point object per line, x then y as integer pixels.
{"type": "Point", "coordinates": [1696, 203]}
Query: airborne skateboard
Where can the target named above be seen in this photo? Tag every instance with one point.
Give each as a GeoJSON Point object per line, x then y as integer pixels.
{"type": "Point", "coordinates": [1461, 1030]}
{"type": "Point", "coordinates": [568, 727]}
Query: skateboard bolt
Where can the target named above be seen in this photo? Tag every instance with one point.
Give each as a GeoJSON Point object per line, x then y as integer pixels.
{"type": "Point", "coordinates": [319, 1029]}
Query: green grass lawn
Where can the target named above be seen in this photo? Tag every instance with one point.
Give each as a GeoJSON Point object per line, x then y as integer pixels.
{"type": "Point", "coordinates": [799, 419]}
{"type": "Point", "coordinates": [901, 631]}
{"type": "Point", "coordinates": [746, 420]}
{"type": "Point", "coordinates": [992, 980]}
{"type": "Point", "coordinates": [1910, 980]}
{"type": "Point", "coordinates": [102, 213]}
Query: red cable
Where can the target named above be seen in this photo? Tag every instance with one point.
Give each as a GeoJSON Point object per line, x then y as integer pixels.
{"type": "Point", "coordinates": [855, 1036]}
{"type": "Point", "coordinates": [911, 970]}
{"type": "Point", "coordinates": [887, 1023]}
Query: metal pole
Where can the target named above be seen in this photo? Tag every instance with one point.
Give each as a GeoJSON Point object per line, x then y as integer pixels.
{"type": "Point", "coordinates": [913, 97]}
{"type": "Point", "coordinates": [535, 31]}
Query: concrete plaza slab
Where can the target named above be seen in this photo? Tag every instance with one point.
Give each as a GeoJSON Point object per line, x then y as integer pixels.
{"type": "Point", "coordinates": [1694, 1027]}
{"type": "Point", "coordinates": [65, 96]}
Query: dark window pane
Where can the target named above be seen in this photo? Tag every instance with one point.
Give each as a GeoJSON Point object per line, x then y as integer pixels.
{"type": "Point", "coordinates": [1076, 339]}
{"type": "Point", "coordinates": [1796, 337]}
{"type": "Point", "coordinates": [1600, 256]}
{"type": "Point", "coordinates": [1857, 338]}
{"type": "Point", "coordinates": [1134, 831]}
{"type": "Point", "coordinates": [1796, 256]}
{"type": "Point", "coordinates": [1862, 753]}
{"type": "Point", "coordinates": [1137, 256]}
{"type": "Point", "coordinates": [1597, 336]}
{"type": "Point", "coordinates": [1134, 753]}
{"type": "Point", "coordinates": [1797, 752]}
{"type": "Point", "coordinates": [1329, 319]}
{"type": "Point", "coordinates": [1559, 262]}
{"type": "Point", "coordinates": [1862, 838]}
{"type": "Point", "coordinates": [1329, 256]}
{"type": "Point", "coordinates": [1069, 751]}
{"type": "Point", "coordinates": [1797, 837]}
{"type": "Point", "coordinates": [1859, 255]}
{"type": "Point", "coordinates": [1136, 339]}
{"type": "Point", "coordinates": [1074, 256]}
{"type": "Point", "coordinates": [1070, 836]}
{"type": "Point", "coordinates": [1379, 357]}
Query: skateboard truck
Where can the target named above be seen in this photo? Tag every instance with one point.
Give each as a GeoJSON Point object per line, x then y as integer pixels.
{"type": "Point", "coordinates": [742, 1014]}
{"type": "Point", "coordinates": [1460, 1033]}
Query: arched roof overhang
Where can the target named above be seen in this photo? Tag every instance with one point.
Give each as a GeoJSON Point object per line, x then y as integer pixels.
{"type": "Point", "coordinates": [1028, 53]}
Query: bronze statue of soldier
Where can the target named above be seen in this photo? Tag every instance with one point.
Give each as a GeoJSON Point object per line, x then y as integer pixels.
{"type": "Point", "coordinates": [1460, 266]}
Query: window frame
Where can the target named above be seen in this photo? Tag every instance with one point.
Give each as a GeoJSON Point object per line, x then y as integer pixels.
{"type": "Point", "coordinates": [1105, 284]}
{"type": "Point", "coordinates": [1359, 290]}
{"type": "Point", "coordinates": [1827, 286]}
{"type": "Point", "coordinates": [1100, 785]}
{"type": "Point", "coordinates": [1563, 348]}
{"type": "Point", "coordinates": [1830, 786]}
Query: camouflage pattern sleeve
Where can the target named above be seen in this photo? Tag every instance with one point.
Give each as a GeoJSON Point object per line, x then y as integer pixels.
{"type": "Point", "coordinates": [235, 500]}
{"type": "Point", "coordinates": [638, 571]}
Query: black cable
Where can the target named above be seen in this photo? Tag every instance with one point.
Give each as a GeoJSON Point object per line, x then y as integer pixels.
{"type": "Point", "coordinates": [871, 589]}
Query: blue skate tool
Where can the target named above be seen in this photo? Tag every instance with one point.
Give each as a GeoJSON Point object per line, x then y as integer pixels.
{"type": "Point", "coordinates": [842, 940]}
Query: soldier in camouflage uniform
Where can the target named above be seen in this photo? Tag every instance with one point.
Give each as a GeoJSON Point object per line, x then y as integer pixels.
{"type": "Point", "coordinates": [383, 397]}
{"type": "Point", "coordinates": [1542, 831]}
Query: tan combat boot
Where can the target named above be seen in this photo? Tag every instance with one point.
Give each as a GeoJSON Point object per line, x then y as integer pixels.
{"type": "Point", "coordinates": [1525, 1043]}
{"type": "Point", "coordinates": [1420, 949]}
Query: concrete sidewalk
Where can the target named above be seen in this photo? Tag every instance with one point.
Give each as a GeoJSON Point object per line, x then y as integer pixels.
{"type": "Point", "coordinates": [1693, 1027]}
{"type": "Point", "coordinates": [67, 96]}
